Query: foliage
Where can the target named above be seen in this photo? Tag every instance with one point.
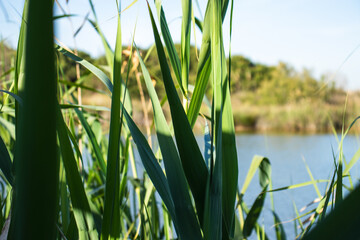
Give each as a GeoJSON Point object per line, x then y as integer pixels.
{"type": "Point", "coordinates": [97, 190]}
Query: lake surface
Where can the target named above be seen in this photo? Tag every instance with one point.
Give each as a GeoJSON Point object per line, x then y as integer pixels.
{"type": "Point", "coordinates": [287, 154]}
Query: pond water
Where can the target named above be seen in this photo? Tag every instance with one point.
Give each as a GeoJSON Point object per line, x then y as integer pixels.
{"type": "Point", "coordinates": [287, 154]}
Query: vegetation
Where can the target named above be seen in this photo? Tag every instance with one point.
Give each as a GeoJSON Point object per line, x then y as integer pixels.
{"type": "Point", "coordinates": [67, 175]}
{"type": "Point", "coordinates": [260, 93]}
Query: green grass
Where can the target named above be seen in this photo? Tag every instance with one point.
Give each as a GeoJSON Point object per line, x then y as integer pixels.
{"type": "Point", "coordinates": [62, 183]}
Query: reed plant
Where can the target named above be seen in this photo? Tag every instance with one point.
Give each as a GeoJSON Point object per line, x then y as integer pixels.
{"type": "Point", "coordinates": [97, 191]}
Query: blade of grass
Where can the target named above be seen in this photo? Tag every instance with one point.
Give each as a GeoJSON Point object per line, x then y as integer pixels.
{"type": "Point", "coordinates": [204, 66]}
{"type": "Point", "coordinates": [254, 213]}
{"type": "Point", "coordinates": [328, 194]}
{"type": "Point", "coordinates": [213, 205]}
{"type": "Point", "coordinates": [93, 140]}
{"type": "Point", "coordinates": [108, 52]}
{"type": "Point", "coordinates": [339, 183]}
{"type": "Point", "coordinates": [255, 164]}
{"type": "Point", "coordinates": [170, 46]}
{"type": "Point", "coordinates": [97, 72]}
{"type": "Point", "coordinates": [352, 162]}
{"type": "Point", "coordinates": [20, 59]}
{"type": "Point", "coordinates": [191, 157]}
{"type": "Point", "coordinates": [81, 208]}
{"type": "Point", "coordinates": [312, 179]}
{"type": "Point", "coordinates": [64, 199]}
{"type": "Point", "coordinates": [111, 218]}
{"type": "Point", "coordinates": [64, 16]}
{"type": "Point", "coordinates": [298, 217]}
{"type": "Point", "coordinates": [185, 47]}
{"type": "Point", "coordinates": [213, 211]}
{"type": "Point", "coordinates": [231, 21]}
{"type": "Point", "coordinates": [229, 153]}
{"type": "Point", "coordinates": [356, 156]}
{"type": "Point", "coordinates": [279, 228]}
{"type": "Point", "coordinates": [189, 227]}
{"type": "Point", "coordinates": [126, 148]}
{"type": "Point", "coordinates": [166, 223]}
{"type": "Point", "coordinates": [16, 97]}
{"type": "Point", "coordinates": [298, 185]}
{"type": "Point", "coordinates": [203, 70]}
{"type": "Point", "coordinates": [342, 223]}
{"type": "Point", "coordinates": [214, 201]}
{"type": "Point", "coordinates": [193, 21]}
{"type": "Point", "coordinates": [90, 107]}
{"type": "Point", "coordinates": [257, 226]}
{"type": "Point", "coordinates": [264, 179]}
{"type": "Point", "coordinates": [77, 84]}
{"type": "Point", "coordinates": [37, 162]}
{"type": "Point", "coordinates": [151, 166]}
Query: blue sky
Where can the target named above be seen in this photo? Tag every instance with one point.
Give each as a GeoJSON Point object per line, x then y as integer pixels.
{"type": "Point", "coordinates": [319, 35]}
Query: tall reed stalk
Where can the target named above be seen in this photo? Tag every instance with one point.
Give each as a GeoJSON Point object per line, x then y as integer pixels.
{"type": "Point", "coordinates": [36, 157]}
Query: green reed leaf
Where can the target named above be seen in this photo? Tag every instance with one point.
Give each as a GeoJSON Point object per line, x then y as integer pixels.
{"type": "Point", "coordinates": [254, 213]}
{"type": "Point", "coordinates": [111, 218]}
{"type": "Point", "coordinates": [97, 72]}
{"type": "Point", "coordinates": [93, 141]}
{"type": "Point", "coordinates": [191, 157]}
{"type": "Point", "coordinates": [342, 223]}
{"type": "Point", "coordinates": [256, 162]}
{"type": "Point", "coordinates": [37, 162]}
{"type": "Point", "coordinates": [185, 214]}
{"type": "Point", "coordinates": [81, 208]}
{"type": "Point", "coordinates": [170, 47]}
{"type": "Point", "coordinates": [151, 166]}
{"type": "Point", "coordinates": [185, 45]}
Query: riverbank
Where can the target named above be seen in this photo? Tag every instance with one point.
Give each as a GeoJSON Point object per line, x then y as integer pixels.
{"type": "Point", "coordinates": [308, 116]}
{"type": "Point", "coordinates": [301, 118]}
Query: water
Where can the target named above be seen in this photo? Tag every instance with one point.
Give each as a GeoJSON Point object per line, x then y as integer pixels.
{"type": "Point", "coordinates": [287, 154]}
